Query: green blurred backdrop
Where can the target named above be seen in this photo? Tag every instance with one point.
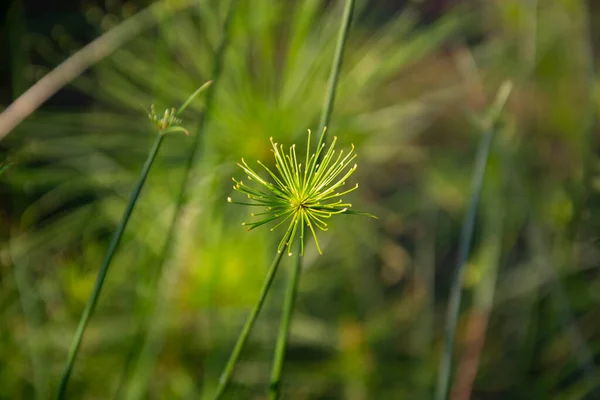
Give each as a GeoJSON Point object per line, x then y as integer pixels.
{"type": "Point", "coordinates": [416, 79]}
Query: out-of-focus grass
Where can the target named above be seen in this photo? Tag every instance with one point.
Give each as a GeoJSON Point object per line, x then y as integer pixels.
{"type": "Point", "coordinates": [370, 311]}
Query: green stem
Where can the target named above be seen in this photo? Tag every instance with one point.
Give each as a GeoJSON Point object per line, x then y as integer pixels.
{"type": "Point", "coordinates": [144, 362]}
{"type": "Point", "coordinates": [292, 288]}
{"type": "Point", "coordinates": [336, 66]}
{"type": "Point", "coordinates": [284, 328]}
{"type": "Point", "coordinates": [243, 338]}
{"type": "Point", "coordinates": [466, 236]}
{"type": "Point", "coordinates": [463, 254]}
{"type": "Point", "coordinates": [114, 243]}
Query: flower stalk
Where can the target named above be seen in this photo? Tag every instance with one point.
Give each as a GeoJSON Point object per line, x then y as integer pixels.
{"type": "Point", "coordinates": [245, 333]}
{"type": "Point", "coordinates": [292, 288]}
{"type": "Point", "coordinates": [305, 194]}
{"type": "Point", "coordinates": [168, 124]}
{"type": "Point", "coordinates": [282, 337]}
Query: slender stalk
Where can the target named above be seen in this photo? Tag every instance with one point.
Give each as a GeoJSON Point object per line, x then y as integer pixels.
{"type": "Point", "coordinates": [481, 310]}
{"type": "Point", "coordinates": [288, 310]}
{"type": "Point", "coordinates": [336, 66]}
{"type": "Point", "coordinates": [152, 337]}
{"type": "Point", "coordinates": [243, 338]}
{"type": "Point", "coordinates": [292, 288]}
{"type": "Point", "coordinates": [463, 254]}
{"type": "Point", "coordinates": [466, 236]}
{"type": "Point", "coordinates": [114, 243]}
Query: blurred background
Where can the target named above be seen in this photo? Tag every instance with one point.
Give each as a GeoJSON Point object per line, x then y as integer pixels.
{"type": "Point", "coordinates": [370, 314]}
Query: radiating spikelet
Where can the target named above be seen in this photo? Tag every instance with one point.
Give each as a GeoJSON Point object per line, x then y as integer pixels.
{"type": "Point", "coordinates": [303, 196]}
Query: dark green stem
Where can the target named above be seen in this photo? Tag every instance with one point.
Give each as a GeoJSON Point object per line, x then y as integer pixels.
{"type": "Point", "coordinates": [292, 287]}
{"type": "Point", "coordinates": [152, 336]}
{"type": "Point", "coordinates": [336, 66]}
{"type": "Point", "coordinates": [114, 243]}
{"type": "Point", "coordinates": [284, 328]}
{"type": "Point", "coordinates": [243, 338]}
{"type": "Point", "coordinates": [466, 236]}
{"type": "Point", "coordinates": [463, 254]}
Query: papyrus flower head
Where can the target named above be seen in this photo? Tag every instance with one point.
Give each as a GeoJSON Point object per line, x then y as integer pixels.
{"type": "Point", "coordinates": [303, 194]}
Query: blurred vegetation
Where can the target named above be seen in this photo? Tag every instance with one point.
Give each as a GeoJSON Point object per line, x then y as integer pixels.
{"type": "Point", "coordinates": [370, 312]}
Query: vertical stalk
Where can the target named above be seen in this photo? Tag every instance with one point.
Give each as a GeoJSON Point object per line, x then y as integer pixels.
{"type": "Point", "coordinates": [152, 337]}
{"type": "Point", "coordinates": [463, 254]}
{"type": "Point", "coordinates": [114, 243]}
{"type": "Point", "coordinates": [292, 288]}
{"type": "Point", "coordinates": [481, 310]}
{"type": "Point", "coordinates": [288, 309]}
{"type": "Point", "coordinates": [466, 236]}
{"type": "Point", "coordinates": [243, 338]}
{"type": "Point", "coordinates": [336, 66]}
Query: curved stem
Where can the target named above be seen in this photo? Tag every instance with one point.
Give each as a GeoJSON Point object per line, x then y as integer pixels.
{"type": "Point", "coordinates": [114, 243]}
{"type": "Point", "coordinates": [243, 338]}
{"type": "Point", "coordinates": [284, 328]}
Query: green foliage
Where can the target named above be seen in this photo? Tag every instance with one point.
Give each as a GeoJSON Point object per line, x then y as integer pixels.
{"type": "Point", "coordinates": [370, 311]}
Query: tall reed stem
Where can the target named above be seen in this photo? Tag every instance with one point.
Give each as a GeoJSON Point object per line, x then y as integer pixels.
{"type": "Point", "coordinates": [292, 287]}
{"type": "Point", "coordinates": [288, 308]}
{"type": "Point", "coordinates": [466, 236]}
{"type": "Point", "coordinates": [336, 66]}
{"type": "Point", "coordinates": [152, 333]}
{"type": "Point", "coordinates": [243, 338]}
{"type": "Point", "coordinates": [114, 243]}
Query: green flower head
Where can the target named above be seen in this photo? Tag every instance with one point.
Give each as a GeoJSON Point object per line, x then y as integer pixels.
{"type": "Point", "coordinates": [306, 194]}
{"type": "Point", "coordinates": [168, 122]}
